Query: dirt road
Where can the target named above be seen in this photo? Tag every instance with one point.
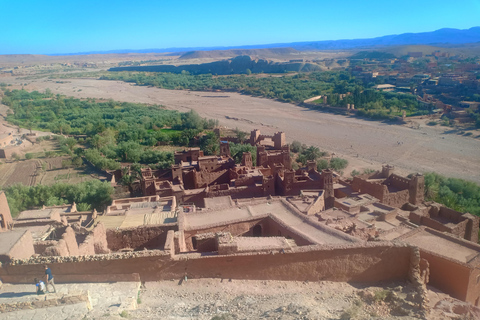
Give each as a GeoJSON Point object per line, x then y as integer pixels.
{"type": "Point", "coordinates": [366, 144]}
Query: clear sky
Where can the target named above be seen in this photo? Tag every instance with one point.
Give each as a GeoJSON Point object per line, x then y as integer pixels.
{"type": "Point", "coordinates": [69, 26]}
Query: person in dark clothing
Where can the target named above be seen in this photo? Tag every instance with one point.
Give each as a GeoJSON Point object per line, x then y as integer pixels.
{"type": "Point", "coordinates": [49, 279]}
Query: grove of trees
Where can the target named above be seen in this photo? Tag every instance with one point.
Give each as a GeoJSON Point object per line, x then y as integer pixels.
{"type": "Point", "coordinates": [287, 88]}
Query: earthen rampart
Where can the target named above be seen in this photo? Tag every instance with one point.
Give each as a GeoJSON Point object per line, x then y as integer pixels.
{"type": "Point", "coordinates": [367, 263]}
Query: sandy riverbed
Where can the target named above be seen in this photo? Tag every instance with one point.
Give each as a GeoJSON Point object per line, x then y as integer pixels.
{"type": "Point", "coordinates": [366, 144]}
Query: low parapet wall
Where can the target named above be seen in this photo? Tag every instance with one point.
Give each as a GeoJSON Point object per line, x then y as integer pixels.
{"type": "Point", "coordinates": [369, 263]}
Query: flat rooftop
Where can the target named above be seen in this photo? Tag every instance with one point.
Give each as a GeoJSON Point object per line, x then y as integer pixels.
{"type": "Point", "coordinates": [218, 202]}
{"type": "Point", "coordinates": [38, 214]}
{"type": "Point", "coordinates": [277, 209]}
{"type": "Point", "coordinates": [264, 243]}
{"type": "Point", "coordinates": [443, 245]}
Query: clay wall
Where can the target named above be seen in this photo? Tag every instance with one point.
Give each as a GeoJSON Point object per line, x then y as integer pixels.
{"type": "Point", "coordinates": [87, 247]}
{"type": "Point", "coordinates": [41, 246]}
{"type": "Point", "coordinates": [396, 199]}
{"type": "Point", "coordinates": [60, 249]}
{"type": "Point", "coordinates": [170, 242]}
{"type": "Point", "coordinates": [274, 227]}
{"type": "Point", "coordinates": [434, 224]}
{"type": "Point", "coordinates": [5, 215]}
{"type": "Point", "coordinates": [449, 276]}
{"type": "Point", "coordinates": [371, 263]}
{"type": "Point", "coordinates": [194, 197]}
{"type": "Point", "coordinates": [398, 182]}
{"type": "Point", "coordinates": [205, 178]}
{"type": "Point", "coordinates": [295, 188]}
{"type": "Point", "coordinates": [473, 228]}
{"type": "Point", "coordinates": [208, 163]}
{"type": "Point", "coordinates": [460, 230]}
{"type": "Point", "coordinates": [317, 206]}
{"type": "Point", "coordinates": [450, 214]}
{"type": "Point", "coordinates": [235, 228]}
{"type": "Point", "coordinates": [237, 193]}
{"type": "Point", "coordinates": [100, 243]}
{"type": "Point", "coordinates": [70, 241]}
{"type": "Point", "coordinates": [473, 294]}
{"type": "Point", "coordinates": [23, 249]}
{"type": "Point", "coordinates": [374, 189]}
{"type": "Point", "coordinates": [138, 238]}
{"type": "Point", "coordinates": [247, 181]}
{"type": "Point", "coordinates": [188, 155]}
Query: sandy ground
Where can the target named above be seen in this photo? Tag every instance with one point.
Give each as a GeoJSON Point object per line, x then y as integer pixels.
{"type": "Point", "coordinates": [366, 144]}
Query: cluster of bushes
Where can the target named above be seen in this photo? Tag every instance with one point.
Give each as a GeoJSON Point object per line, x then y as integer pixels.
{"type": "Point", "coordinates": [63, 115]}
{"type": "Point", "coordinates": [297, 88]}
{"type": "Point", "coordinates": [114, 131]}
{"type": "Point", "coordinates": [306, 153]}
{"type": "Point", "coordinates": [458, 194]}
{"type": "Point", "coordinates": [87, 195]}
{"type": "Point", "coordinates": [237, 150]}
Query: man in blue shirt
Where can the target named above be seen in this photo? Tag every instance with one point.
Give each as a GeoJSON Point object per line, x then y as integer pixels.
{"type": "Point", "coordinates": [49, 279]}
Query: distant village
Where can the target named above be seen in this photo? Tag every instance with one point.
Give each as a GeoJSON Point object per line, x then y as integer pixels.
{"type": "Point", "coordinates": [207, 217]}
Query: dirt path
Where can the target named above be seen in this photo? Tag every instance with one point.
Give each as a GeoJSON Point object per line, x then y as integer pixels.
{"type": "Point", "coordinates": [366, 144]}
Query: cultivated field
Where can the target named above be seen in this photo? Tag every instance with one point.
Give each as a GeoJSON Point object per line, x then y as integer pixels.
{"type": "Point", "coordinates": [366, 144]}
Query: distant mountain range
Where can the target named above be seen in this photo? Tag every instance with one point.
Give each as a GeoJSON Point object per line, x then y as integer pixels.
{"type": "Point", "coordinates": [441, 37]}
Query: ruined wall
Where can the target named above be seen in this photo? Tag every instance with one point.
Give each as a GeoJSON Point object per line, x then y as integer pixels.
{"type": "Point", "coordinates": [369, 263]}
{"type": "Point", "coordinates": [70, 241]}
{"type": "Point", "coordinates": [466, 226]}
{"type": "Point", "coordinates": [60, 249]}
{"type": "Point", "coordinates": [41, 246]}
{"type": "Point", "coordinates": [235, 228]}
{"type": "Point", "coordinates": [139, 237]}
{"type": "Point", "coordinates": [205, 178]}
{"type": "Point", "coordinates": [398, 182]}
{"type": "Point", "coordinates": [100, 239]}
{"type": "Point", "coordinates": [374, 189]}
{"type": "Point", "coordinates": [396, 199]}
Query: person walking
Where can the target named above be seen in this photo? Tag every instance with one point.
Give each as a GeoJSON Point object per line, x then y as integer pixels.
{"type": "Point", "coordinates": [49, 279]}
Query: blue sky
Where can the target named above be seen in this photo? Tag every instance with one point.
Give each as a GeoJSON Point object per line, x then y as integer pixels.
{"type": "Point", "coordinates": [68, 26]}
